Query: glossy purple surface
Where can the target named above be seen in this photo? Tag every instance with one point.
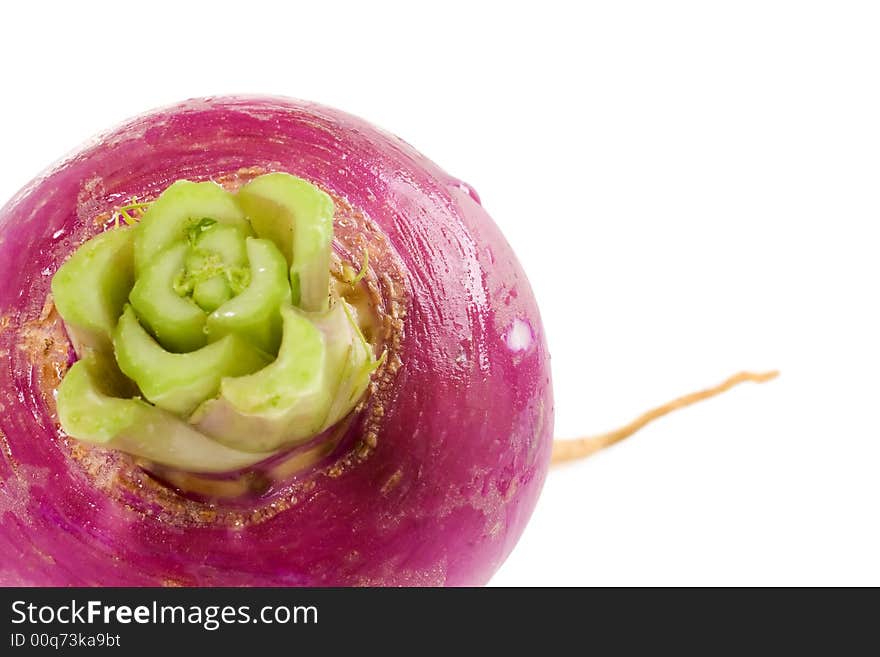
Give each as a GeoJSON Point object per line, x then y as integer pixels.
{"type": "Point", "coordinates": [462, 448]}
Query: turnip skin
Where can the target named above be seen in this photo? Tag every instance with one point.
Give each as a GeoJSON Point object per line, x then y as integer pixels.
{"type": "Point", "coordinates": [463, 442]}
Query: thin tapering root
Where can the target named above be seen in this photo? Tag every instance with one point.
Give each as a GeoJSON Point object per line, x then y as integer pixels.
{"type": "Point", "coordinates": [580, 448]}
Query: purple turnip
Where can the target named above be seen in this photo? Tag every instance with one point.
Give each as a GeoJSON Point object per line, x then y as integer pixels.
{"type": "Point", "coordinates": [432, 477]}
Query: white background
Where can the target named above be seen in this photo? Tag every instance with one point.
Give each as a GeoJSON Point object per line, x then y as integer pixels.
{"type": "Point", "coordinates": [693, 189]}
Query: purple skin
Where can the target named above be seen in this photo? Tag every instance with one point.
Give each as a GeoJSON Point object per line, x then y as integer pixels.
{"type": "Point", "coordinates": [463, 445]}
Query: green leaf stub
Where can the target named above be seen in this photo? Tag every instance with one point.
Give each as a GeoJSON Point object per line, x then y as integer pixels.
{"type": "Point", "coordinates": [298, 217]}
{"type": "Point", "coordinates": [206, 333]}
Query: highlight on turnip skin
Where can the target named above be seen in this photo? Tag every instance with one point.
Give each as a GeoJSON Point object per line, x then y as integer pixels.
{"type": "Point", "coordinates": [256, 341]}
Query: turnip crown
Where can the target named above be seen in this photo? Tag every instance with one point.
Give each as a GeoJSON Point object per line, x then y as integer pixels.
{"type": "Point", "coordinates": [207, 335]}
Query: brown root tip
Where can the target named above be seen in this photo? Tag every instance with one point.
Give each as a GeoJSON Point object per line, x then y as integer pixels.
{"type": "Point", "coordinates": [580, 448]}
